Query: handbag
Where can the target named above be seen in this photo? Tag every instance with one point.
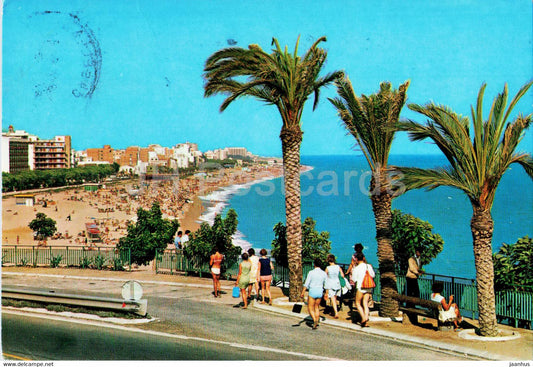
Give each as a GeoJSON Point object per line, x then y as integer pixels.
{"type": "Point", "coordinates": [235, 292]}
{"type": "Point", "coordinates": [368, 281]}
{"type": "Point", "coordinates": [297, 308]}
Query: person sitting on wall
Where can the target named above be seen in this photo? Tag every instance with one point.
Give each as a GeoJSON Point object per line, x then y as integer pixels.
{"type": "Point", "coordinates": [449, 311]}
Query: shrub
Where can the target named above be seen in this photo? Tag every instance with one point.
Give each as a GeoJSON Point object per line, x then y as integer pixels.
{"type": "Point", "coordinates": [202, 243]}
{"type": "Point", "coordinates": [23, 262]}
{"type": "Point", "coordinates": [314, 244]}
{"type": "Point", "coordinates": [410, 232]}
{"type": "Point", "coordinates": [151, 233]}
{"type": "Point", "coordinates": [118, 264]}
{"type": "Point", "coordinates": [85, 262]}
{"type": "Point", "coordinates": [55, 261]}
{"type": "Point", "coordinates": [99, 261]}
{"type": "Point", "coordinates": [513, 266]}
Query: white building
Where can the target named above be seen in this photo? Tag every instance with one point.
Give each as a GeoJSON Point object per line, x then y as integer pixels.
{"type": "Point", "coordinates": [17, 150]}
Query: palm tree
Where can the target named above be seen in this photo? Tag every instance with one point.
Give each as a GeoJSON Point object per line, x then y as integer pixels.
{"type": "Point", "coordinates": [477, 165]}
{"type": "Point", "coordinates": [372, 121]}
{"type": "Point", "coordinates": [284, 80]}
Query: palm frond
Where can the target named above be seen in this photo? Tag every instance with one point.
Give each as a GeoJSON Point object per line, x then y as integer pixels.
{"type": "Point", "coordinates": [481, 161]}
{"type": "Point", "coordinates": [418, 178]}
{"type": "Point", "coordinates": [526, 161]}
{"type": "Point", "coordinates": [372, 120]}
{"type": "Point", "coordinates": [278, 78]}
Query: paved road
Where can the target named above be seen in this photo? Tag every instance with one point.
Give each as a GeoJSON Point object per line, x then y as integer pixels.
{"type": "Point", "coordinates": [191, 312]}
{"type": "Point", "coordinates": [47, 339]}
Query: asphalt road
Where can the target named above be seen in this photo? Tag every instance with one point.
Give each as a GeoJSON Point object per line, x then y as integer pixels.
{"type": "Point", "coordinates": [202, 327]}
{"type": "Point", "coordinates": [47, 339]}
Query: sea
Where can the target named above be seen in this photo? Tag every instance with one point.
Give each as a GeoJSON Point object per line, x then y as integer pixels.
{"type": "Point", "coordinates": [335, 194]}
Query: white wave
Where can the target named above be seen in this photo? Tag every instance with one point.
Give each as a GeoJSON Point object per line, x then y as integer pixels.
{"type": "Point", "coordinates": [217, 200]}
{"type": "Point", "coordinates": [238, 240]}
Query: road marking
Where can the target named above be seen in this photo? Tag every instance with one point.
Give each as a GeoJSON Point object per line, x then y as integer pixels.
{"type": "Point", "coordinates": [15, 357]}
{"type": "Point", "coordinates": [176, 336]}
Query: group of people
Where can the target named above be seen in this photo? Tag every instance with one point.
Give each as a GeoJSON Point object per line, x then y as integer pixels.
{"type": "Point", "coordinates": [181, 239]}
{"type": "Point", "coordinates": [327, 283]}
{"type": "Point", "coordinates": [255, 275]}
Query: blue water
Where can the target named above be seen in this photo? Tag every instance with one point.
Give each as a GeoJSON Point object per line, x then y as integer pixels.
{"type": "Point", "coordinates": [334, 194]}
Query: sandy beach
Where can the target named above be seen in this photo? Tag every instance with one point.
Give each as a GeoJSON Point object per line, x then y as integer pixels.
{"type": "Point", "coordinates": [113, 206]}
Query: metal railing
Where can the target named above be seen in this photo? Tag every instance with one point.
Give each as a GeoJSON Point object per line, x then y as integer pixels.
{"type": "Point", "coordinates": [67, 256]}
{"type": "Point", "coordinates": [514, 307]}
{"type": "Point", "coordinates": [172, 261]}
{"type": "Point", "coordinates": [139, 307]}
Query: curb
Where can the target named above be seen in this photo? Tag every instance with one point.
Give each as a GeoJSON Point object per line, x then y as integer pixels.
{"type": "Point", "coordinates": [78, 316]}
{"type": "Point", "coordinates": [390, 335]}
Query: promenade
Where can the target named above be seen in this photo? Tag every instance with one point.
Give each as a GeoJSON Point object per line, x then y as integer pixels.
{"type": "Point", "coordinates": [515, 346]}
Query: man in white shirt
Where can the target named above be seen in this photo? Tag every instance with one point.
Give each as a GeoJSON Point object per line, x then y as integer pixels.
{"type": "Point", "coordinates": [185, 238]}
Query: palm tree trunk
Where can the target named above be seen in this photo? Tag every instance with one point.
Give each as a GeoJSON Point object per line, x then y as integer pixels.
{"type": "Point", "coordinates": [482, 227]}
{"type": "Point", "coordinates": [381, 205]}
{"type": "Point", "coordinates": [291, 140]}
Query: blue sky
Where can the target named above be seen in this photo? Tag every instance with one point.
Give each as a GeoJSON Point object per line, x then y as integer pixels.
{"type": "Point", "coordinates": [128, 72]}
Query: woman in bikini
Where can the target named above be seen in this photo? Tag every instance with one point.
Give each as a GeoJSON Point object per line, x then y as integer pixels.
{"type": "Point", "coordinates": [215, 263]}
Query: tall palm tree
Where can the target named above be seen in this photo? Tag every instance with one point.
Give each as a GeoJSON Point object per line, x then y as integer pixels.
{"type": "Point", "coordinates": [477, 165]}
{"type": "Point", "coordinates": [372, 121]}
{"type": "Point", "coordinates": [284, 80]}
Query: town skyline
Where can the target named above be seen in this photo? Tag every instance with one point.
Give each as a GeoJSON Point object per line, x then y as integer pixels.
{"type": "Point", "coordinates": [136, 79]}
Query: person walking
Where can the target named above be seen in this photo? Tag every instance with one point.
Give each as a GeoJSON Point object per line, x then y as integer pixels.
{"type": "Point", "coordinates": [449, 311]}
{"type": "Point", "coordinates": [358, 248]}
{"type": "Point", "coordinates": [413, 273]}
{"type": "Point", "coordinates": [314, 282]}
{"type": "Point", "coordinates": [243, 278]}
{"type": "Point", "coordinates": [333, 284]}
{"type": "Point", "coordinates": [264, 270]}
{"type": "Point", "coordinates": [215, 262]}
{"type": "Point", "coordinates": [254, 259]}
{"type": "Point", "coordinates": [362, 295]}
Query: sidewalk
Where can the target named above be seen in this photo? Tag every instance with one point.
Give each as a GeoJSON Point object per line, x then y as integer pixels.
{"type": "Point", "coordinates": [516, 344]}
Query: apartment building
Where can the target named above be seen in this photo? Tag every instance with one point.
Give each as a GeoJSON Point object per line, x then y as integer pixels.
{"type": "Point", "coordinates": [53, 154]}
{"type": "Point", "coordinates": [104, 154]}
{"type": "Point", "coordinates": [22, 151]}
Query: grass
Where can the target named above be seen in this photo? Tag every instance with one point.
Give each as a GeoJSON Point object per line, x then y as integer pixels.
{"type": "Point", "coordinates": [63, 308]}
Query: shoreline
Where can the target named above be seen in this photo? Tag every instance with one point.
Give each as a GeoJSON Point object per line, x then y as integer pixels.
{"type": "Point", "coordinates": [219, 199]}
{"type": "Point", "coordinates": [112, 207]}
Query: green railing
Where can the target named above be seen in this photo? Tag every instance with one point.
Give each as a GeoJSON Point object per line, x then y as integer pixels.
{"type": "Point", "coordinates": [171, 261]}
{"type": "Point", "coordinates": [512, 307]}
{"type": "Point", "coordinates": [66, 256]}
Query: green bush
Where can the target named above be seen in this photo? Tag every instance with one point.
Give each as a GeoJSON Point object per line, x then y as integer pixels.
{"type": "Point", "coordinates": [513, 266]}
{"type": "Point", "coordinates": [55, 261]}
{"type": "Point", "coordinates": [314, 244]}
{"type": "Point", "coordinates": [410, 232]}
{"type": "Point", "coordinates": [149, 234]}
{"type": "Point", "coordinates": [99, 261]}
{"type": "Point", "coordinates": [23, 262]}
{"type": "Point", "coordinates": [85, 262]}
{"type": "Point", "coordinates": [203, 242]}
{"type": "Point", "coordinates": [118, 264]}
